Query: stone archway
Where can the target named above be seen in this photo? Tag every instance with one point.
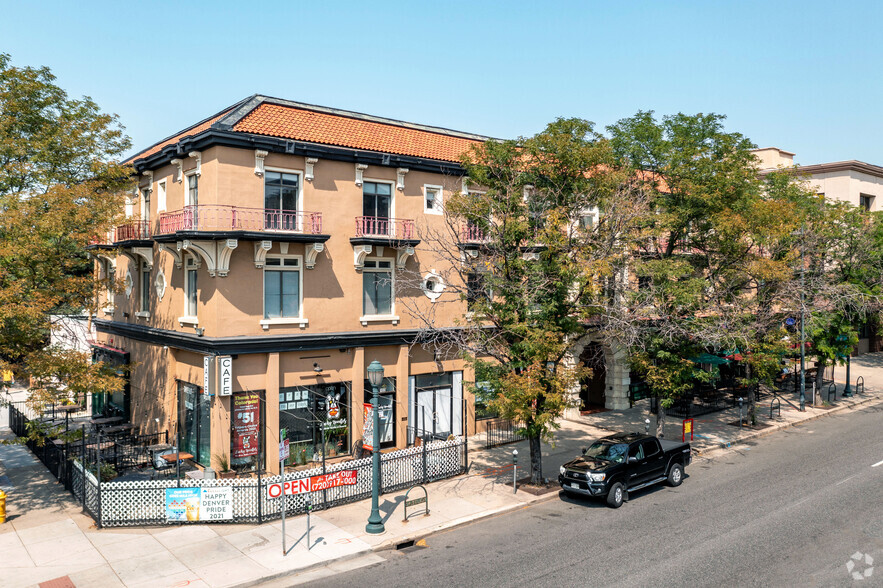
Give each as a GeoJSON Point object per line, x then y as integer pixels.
{"type": "Point", "coordinates": [616, 374]}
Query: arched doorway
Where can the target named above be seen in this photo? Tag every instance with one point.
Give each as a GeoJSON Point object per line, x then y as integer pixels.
{"type": "Point", "coordinates": [592, 390]}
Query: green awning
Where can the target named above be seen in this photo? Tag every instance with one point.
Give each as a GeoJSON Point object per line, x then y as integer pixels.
{"type": "Point", "coordinates": [708, 358]}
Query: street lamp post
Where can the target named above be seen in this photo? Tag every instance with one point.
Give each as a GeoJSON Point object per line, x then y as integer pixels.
{"type": "Point", "coordinates": [847, 391]}
{"type": "Point", "coordinates": [375, 377]}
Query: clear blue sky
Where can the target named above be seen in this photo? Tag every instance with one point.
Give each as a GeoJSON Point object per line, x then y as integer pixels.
{"type": "Point", "coordinates": [802, 76]}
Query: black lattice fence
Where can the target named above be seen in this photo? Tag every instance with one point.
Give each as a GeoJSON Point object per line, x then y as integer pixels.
{"type": "Point", "coordinates": [135, 503]}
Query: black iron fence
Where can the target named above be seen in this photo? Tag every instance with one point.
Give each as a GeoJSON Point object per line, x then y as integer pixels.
{"type": "Point", "coordinates": [502, 431]}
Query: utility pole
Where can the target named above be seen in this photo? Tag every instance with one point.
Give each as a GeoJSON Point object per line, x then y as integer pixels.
{"type": "Point", "coordinates": [802, 327]}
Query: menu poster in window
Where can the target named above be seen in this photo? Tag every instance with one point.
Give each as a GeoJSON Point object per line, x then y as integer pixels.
{"type": "Point", "coordinates": [368, 437]}
{"type": "Point", "coordinates": [246, 424]}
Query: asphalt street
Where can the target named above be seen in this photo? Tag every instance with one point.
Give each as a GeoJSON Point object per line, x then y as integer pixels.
{"type": "Point", "coordinates": [790, 509]}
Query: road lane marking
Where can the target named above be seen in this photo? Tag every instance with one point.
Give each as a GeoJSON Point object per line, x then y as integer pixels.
{"type": "Point", "coordinates": [845, 480]}
{"type": "Point", "coordinates": [876, 464]}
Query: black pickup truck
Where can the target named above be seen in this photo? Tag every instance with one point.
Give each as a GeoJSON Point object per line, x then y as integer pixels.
{"type": "Point", "coordinates": [615, 465]}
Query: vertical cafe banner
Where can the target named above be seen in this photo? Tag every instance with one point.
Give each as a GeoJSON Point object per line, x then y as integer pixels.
{"type": "Point", "coordinates": [246, 425]}
{"type": "Point", "coordinates": [368, 436]}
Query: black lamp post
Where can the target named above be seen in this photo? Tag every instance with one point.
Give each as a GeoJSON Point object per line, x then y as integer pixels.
{"type": "Point", "coordinates": [375, 377]}
{"type": "Point", "coordinates": [847, 391]}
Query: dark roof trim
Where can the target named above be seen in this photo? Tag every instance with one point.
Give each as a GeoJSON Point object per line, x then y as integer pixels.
{"type": "Point", "coordinates": [836, 166]}
{"type": "Point", "coordinates": [216, 137]}
{"type": "Point", "coordinates": [256, 344]}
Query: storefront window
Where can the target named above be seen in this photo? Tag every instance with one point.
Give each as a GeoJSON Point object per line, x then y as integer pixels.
{"type": "Point", "coordinates": [195, 422]}
{"type": "Point", "coordinates": [316, 421]}
{"type": "Point", "coordinates": [386, 414]}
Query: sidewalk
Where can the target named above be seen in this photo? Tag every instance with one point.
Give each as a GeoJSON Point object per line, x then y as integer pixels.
{"type": "Point", "coordinates": [46, 537]}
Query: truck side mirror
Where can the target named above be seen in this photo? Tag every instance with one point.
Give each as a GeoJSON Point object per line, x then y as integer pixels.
{"type": "Point", "coordinates": [633, 459]}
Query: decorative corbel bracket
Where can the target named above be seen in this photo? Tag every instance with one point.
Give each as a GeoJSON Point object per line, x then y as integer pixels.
{"type": "Point", "coordinates": [145, 253]}
{"type": "Point", "coordinates": [400, 178]}
{"type": "Point", "coordinates": [225, 251]}
{"type": "Point", "coordinates": [198, 157]}
{"type": "Point", "coordinates": [402, 257]}
{"type": "Point", "coordinates": [311, 250]}
{"type": "Point", "coordinates": [205, 250]}
{"type": "Point", "coordinates": [360, 170]}
{"type": "Point", "coordinates": [259, 155]}
{"type": "Point", "coordinates": [260, 253]}
{"type": "Point", "coordinates": [149, 175]}
{"type": "Point", "coordinates": [359, 254]}
{"type": "Point", "coordinates": [173, 251]}
{"type": "Point", "coordinates": [179, 172]}
{"type": "Point", "coordinates": [464, 186]}
{"type": "Point", "coordinates": [308, 168]}
{"type": "Point", "coordinates": [110, 260]}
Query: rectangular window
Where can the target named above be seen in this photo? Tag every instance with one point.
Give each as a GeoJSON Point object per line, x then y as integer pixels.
{"type": "Point", "coordinates": [432, 202]}
{"type": "Point", "coordinates": [386, 413]}
{"type": "Point", "coordinates": [316, 421]}
{"type": "Point", "coordinates": [376, 199]}
{"type": "Point", "coordinates": [377, 292]}
{"type": "Point", "coordinates": [193, 189]}
{"type": "Point", "coordinates": [194, 418]}
{"type": "Point", "coordinates": [161, 196]}
{"type": "Point", "coordinates": [866, 201]}
{"type": "Point", "coordinates": [192, 292]}
{"type": "Point", "coordinates": [476, 291]}
{"type": "Point", "coordinates": [145, 204]}
{"type": "Point", "coordinates": [282, 287]}
{"type": "Point", "coordinates": [280, 200]}
{"type": "Point", "coordinates": [145, 287]}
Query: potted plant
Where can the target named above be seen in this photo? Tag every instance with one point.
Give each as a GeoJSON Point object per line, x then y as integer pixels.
{"type": "Point", "coordinates": [224, 470]}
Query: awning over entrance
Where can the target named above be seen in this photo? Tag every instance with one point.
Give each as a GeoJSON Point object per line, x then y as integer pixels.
{"type": "Point", "coordinates": [709, 358]}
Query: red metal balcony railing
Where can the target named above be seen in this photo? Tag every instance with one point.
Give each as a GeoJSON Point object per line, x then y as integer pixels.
{"type": "Point", "coordinates": [219, 217]}
{"type": "Point", "coordinates": [133, 230]}
{"type": "Point", "coordinates": [106, 239]}
{"type": "Point", "coordinates": [470, 233]}
{"type": "Point", "coordinates": [380, 226]}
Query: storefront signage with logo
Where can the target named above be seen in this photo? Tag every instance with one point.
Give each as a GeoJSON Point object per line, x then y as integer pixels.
{"type": "Point", "coordinates": [246, 424]}
{"type": "Point", "coordinates": [314, 484]}
{"type": "Point", "coordinates": [199, 504]}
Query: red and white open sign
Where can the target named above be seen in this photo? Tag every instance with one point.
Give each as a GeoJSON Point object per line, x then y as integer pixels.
{"type": "Point", "coordinates": [314, 484]}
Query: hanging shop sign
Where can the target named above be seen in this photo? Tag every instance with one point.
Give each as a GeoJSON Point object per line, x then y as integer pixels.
{"type": "Point", "coordinates": [225, 375]}
{"type": "Point", "coordinates": [199, 504]}
{"type": "Point", "coordinates": [208, 375]}
{"type": "Point", "coordinates": [314, 483]}
{"type": "Point", "coordinates": [246, 424]}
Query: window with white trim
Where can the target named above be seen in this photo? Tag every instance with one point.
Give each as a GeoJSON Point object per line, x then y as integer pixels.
{"type": "Point", "coordinates": [145, 287]}
{"type": "Point", "coordinates": [282, 287]}
{"type": "Point", "coordinates": [192, 189]}
{"type": "Point", "coordinates": [145, 204]}
{"type": "Point", "coordinates": [432, 199]}
{"type": "Point", "coordinates": [281, 196]}
{"type": "Point", "coordinates": [161, 196]}
{"type": "Point", "coordinates": [377, 287]}
{"type": "Point", "coordinates": [191, 287]}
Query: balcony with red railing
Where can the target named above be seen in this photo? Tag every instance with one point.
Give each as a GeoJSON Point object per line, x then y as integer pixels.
{"type": "Point", "coordinates": [472, 235]}
{"type": "Point", "coordinates": [104, 241]}
{"type": "Point", "coordinates": [380, 227]}
{"type": "Point", "coordinates": [137, 230]}
{"type": "Point", "coordinates": [212, 218]}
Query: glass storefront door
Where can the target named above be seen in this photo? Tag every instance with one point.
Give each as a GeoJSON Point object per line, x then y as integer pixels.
{"type": "Point", "coordinates": [195, 422]}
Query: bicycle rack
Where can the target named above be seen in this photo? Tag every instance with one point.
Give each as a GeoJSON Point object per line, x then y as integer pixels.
{"type": "Point", "coordinates": [859, 381]}
{"type": "Point", "coordinates": [777, 407]}
{"type": "Point", "coordinates": [832, 391]}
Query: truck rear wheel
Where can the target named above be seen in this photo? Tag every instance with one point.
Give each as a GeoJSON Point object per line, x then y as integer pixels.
{"type": "Point", "coordinates": [615, 495]}
{"type": "Point", "coordinates": [675, 475]}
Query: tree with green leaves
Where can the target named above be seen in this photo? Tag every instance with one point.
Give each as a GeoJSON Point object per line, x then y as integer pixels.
{"type": "Point", "coordinates": [60, 186]}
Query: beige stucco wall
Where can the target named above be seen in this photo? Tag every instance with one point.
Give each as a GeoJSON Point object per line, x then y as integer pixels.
{"type": "Point", "coordinates": [848, 186]}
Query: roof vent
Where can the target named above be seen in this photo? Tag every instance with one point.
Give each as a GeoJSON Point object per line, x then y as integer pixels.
{"type": "Point", "coordinates": [385, 160]}
{"type": "Point", "coordinates": [289, 146]}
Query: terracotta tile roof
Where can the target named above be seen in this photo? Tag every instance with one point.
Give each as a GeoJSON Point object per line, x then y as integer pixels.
{"type": "Point", "coordinates": [318, 127]}
{"type": "Point", "coordinates": [195, 130]}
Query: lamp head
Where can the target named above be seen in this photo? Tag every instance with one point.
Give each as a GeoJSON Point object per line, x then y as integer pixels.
{"type": "Point", "coordinates": [375, 373]}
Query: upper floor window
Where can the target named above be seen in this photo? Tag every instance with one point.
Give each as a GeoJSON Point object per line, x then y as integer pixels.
{"type": "Point", "coordinates": [476, 290]}
{"type": "Point", "coordinates": [377, 287]}
{"type": "Point", "coordinates": [193, 189]}
{"type": "Point", "coordinates": [145, 287]}
{"type": "Point", "coordinates": [866, 201]}
{"type": "Point", "coordinates": [432, 199]}
{"type": "Point", "coordinates": [282, 287]}
{"type": "Point", "coordinates": [376, 199]}
{"type": "Point", "coordinates": [161, 196]}
{"type": "Point", "coordinates": [281, 191]}
{"type": "Point", "coordinates": [191, 293]}
{"type": "Point", "coordinates": [145, 204]}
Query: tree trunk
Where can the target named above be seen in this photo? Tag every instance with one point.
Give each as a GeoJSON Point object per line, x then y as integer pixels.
{"type": "Point", "coordinates": [536, 460]}
{"type": "Point", "coordinates": [660, 421]}
{"type": "Point", "coordinates": [752, 412]}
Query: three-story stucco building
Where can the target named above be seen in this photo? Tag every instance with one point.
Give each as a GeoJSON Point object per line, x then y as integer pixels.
{"type": "Point", "coordinates": [260, 262]}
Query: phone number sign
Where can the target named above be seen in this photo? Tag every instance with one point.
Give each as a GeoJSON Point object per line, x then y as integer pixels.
{"type": "Point", "coordinates": [314, 483]}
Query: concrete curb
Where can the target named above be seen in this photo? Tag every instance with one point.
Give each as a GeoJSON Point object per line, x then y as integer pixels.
{"type": "Point", "coordinates": [309, 568]}
{"type": "Point", "coordinates": [781, 426]}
